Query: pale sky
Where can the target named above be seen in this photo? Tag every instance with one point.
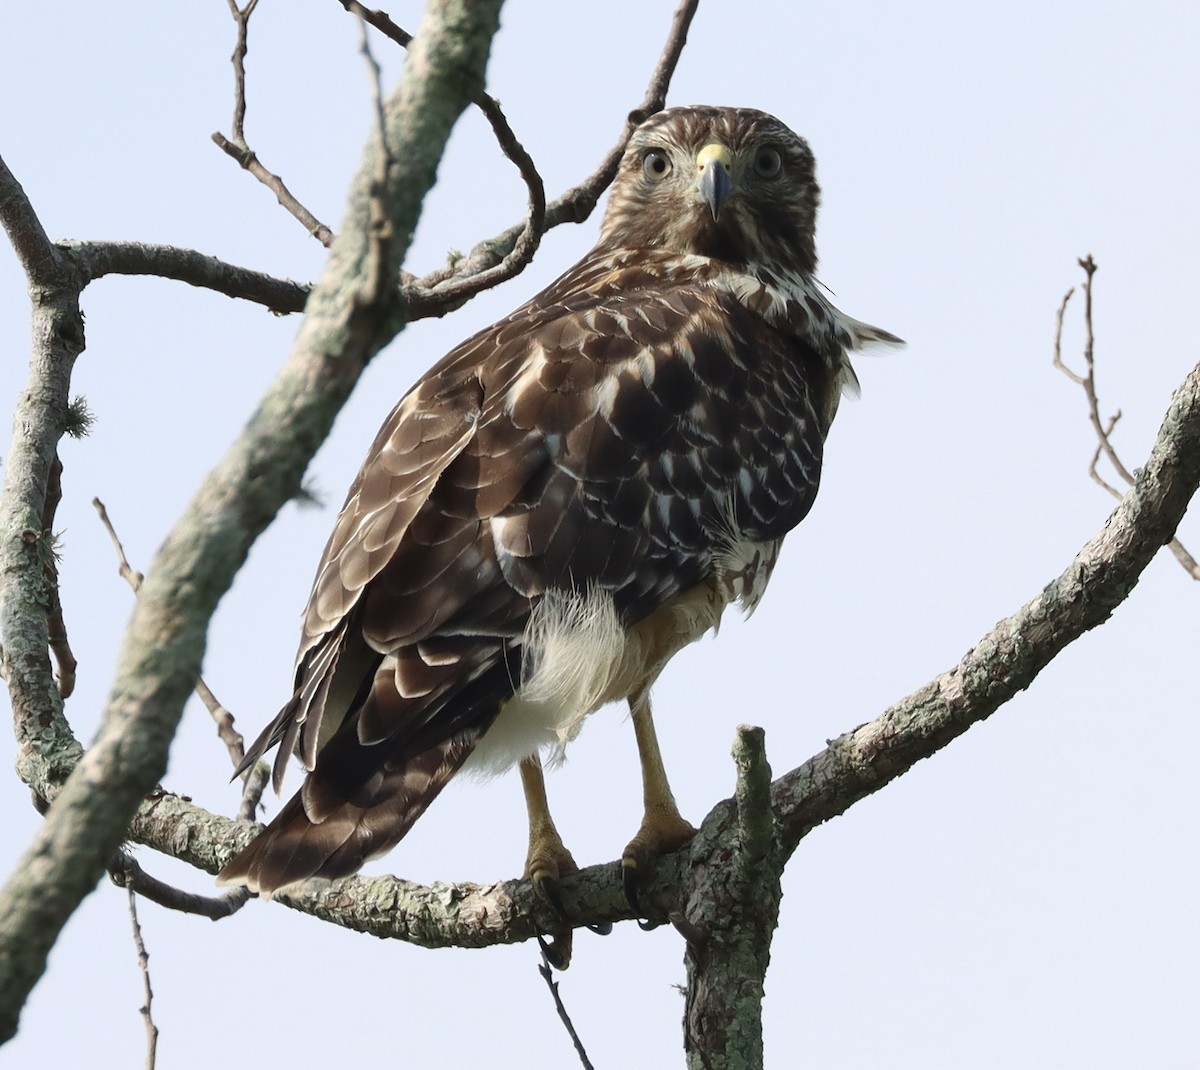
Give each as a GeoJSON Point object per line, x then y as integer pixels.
{"type": "Point", "coordinates": [1026, 898]}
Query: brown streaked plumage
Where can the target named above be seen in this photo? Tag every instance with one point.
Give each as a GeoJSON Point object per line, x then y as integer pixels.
{"type": "Point", "coordinates": [567, 499]}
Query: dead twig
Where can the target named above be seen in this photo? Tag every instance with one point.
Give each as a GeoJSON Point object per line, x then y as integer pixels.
{"type": "Point", "coordinates": [1103, 429]}
{"type": "Point", "coordinates": [228, 734]}
{"type": "Point", "coordinates": [147, 992]}
{"type": "Point", "coordinates": [381, 220]}
{"type": "Point", "coordinates": [548, 976]}
{"type": "Point", "coordinates": [239, 149]}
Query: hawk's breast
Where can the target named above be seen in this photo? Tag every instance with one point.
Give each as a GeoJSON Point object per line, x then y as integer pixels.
{"type": "Point", "coordinates": [577, 656]}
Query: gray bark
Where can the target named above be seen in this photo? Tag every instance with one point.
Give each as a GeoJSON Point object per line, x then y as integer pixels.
{"type": "Point", "coordinates": [352, 314]}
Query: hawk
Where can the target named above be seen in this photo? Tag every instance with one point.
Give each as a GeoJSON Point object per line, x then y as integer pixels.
{"type": "Point", "coordinates": [566, 500]}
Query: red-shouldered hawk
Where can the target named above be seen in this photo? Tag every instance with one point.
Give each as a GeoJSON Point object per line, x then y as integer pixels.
{"type": "Point", "coordinates": [566, 500]}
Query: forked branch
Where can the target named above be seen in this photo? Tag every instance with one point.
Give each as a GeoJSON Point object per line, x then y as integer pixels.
{"type": "Point", "coordinates": [1103, 429]}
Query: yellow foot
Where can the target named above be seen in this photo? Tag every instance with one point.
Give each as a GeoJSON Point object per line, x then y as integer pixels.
{"type": "Point", "coordinates": [547, 862]}
{"type": "Point", "coordinates": [662, 832]}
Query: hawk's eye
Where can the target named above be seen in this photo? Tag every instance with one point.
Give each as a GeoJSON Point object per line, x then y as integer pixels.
{"type": "Point", "coordinates": [767, 163]}
{"type": "Point", "coordinates": [655, 165]}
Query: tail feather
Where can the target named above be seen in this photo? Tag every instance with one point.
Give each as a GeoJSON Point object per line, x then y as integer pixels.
{"type": "Point", "coordinates": [318, 835]}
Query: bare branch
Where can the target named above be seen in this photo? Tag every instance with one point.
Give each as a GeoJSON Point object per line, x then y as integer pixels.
{"type": "Point", "coordinates": [124, 569]}
{"type": "Point", "coordinates": [237, 146]}
{"type": "Point", "coordinates": [46, 749]}
{"type": "Point", "coordinates": [242, 17]}
{"type": "Point", "coordinates": [547, 973]}
{"type": "Point", "coordinates": [380, 20]}
{"type": "Point", "coordinates": [125, 872]}
{"type": "Point", "coordinates": [253, 786]}
{"type": "Point", "coordinates": [755, 820]}
{"type": "Point", "coordinates": [223, 719]}
{"type": "Point", "coordinates": [39, 259]}
{"type": "Point", "coordinates": [248, 160]}
{"type": "Point", "coordinates": [1010, 656]}
{"type": "Point", "coordinates": [97, 259]}
{"type": "Point", "coordinates": [143, 958]}
{"type": "Point", "coordinates": [1075, 377]}
{"type": "Point", "coordinates": [379, 279]}
{"type": "Point", "coordinates": [426, 300]}
{"type": "Point", "coordinates": [445, 289]}
{"type": "Point", "coordinates": [1103, 431]}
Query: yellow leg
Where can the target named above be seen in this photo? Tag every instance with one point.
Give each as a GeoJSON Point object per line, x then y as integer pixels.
{"type": "Point", "coordinates": [663, 829]}
{"type": "Point", "coordinates": [548, 859]}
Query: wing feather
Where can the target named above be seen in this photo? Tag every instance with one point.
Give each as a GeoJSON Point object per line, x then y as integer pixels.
{"type": "Point", "coordinates": [614, 433]}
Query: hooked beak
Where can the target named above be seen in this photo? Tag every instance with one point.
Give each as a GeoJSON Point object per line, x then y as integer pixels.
{"type": "Point", "coordinates": [715, 184]}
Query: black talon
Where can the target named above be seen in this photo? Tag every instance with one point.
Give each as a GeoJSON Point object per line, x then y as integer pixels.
{"type": "Point", "coordinates": [550, 953]}
{"type": "Point", "coordinates": [629, 887]}
{"type": "Point", "coordinates": [603, 928]}
{"type": "Point", "coordinates": [629, 884]}
{"type": "Point", "coordinates": [550, 890]}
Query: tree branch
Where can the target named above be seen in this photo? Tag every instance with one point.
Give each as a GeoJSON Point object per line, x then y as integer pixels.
{"type": "Point", "coordinates": [1009, 657]}
{"type": "Point", "coordinates": [1103, 431]}
{"type": "Point", "coordinates": [46, 751]}
{"type": "Point", "coordinates": [1005, 661]}
{"type": "Point", "coordinates": [96, 259]}
{"type": "Point", "coordinates": [164, 643]}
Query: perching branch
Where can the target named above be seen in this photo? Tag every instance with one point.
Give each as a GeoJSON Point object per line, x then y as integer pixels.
{"type": "Point", "coordinates": [1103, 429]}
{"type": "Point", "coordinates": [92, 798]}
{"type": "Point", "coordinates": [1003, 662]}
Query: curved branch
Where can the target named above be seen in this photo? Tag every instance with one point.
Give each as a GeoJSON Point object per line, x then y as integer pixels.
{"type": "Point", "coordinates": [95, 259]}
{"type": "Point", "coordinates": [46, 750]}
{"type": "Point", "coordinates": [577, 203]}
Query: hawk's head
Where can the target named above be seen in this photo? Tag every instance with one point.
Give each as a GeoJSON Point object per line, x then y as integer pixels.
{"type": "Point", "coordinates": [734, 184]}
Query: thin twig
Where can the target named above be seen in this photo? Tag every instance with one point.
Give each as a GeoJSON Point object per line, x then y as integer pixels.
{"type": "Point", "coordinates": [254, 782]}
{"type": "Point", "coordinates": [228, 734]}
{"type": "Point", "coordinates": [242, 18]}
{"type": "Point", "coordinates": [56, 625]}
{"type": "Point", "coordinates": [239, 149]}
{"type": "Point", "coordinates": [378, 280]}
{"type": "Point", "coordinates": [1103, 430]}
{"type": "Point", "coordinates": [548, 976]}
{"type": "Point", "coordinates": [147, 992]}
